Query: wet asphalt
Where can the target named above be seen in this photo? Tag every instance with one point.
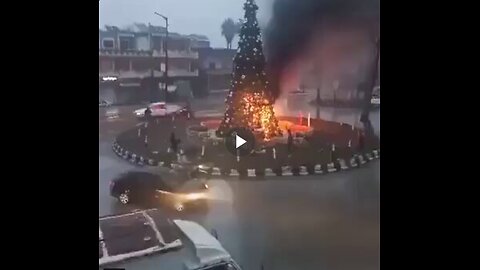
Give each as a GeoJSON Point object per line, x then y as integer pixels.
{"type": "Point", "coordinates": [310, 222]}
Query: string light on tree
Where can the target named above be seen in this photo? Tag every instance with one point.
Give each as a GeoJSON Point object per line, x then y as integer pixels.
{"type": "Point", "coordinates": [249, 103]}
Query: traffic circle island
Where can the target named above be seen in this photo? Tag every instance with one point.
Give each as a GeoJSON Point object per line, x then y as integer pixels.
{"type": "Point", "coordinates": [315, 146]}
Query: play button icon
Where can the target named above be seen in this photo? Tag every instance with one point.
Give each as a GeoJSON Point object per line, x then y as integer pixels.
{"type": "Point", "coordinates": [240, 141]}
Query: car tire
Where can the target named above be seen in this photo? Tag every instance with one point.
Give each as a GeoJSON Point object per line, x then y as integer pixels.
{"type": "Point", "coordinates": [179, 207]}
{"type": "Point", "coordinates": [124, 197]}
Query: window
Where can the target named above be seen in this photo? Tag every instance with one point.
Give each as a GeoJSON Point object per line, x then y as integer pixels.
{"type": "Point", "coordinates": [156, 43]}
{"type": "Point", "coordinates": [107, 43]}
{"type": "Point", "coordinates": [211, 65]}
{"type": "Point", "coordinates": [124, 44]}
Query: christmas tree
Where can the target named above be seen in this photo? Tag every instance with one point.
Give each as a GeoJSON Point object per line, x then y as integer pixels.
{"type": "Point", "coordinates": [249, 102]}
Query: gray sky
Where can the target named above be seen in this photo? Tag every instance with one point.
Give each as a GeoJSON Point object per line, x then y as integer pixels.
{"type": "Point", "coordinates": [185, 16]}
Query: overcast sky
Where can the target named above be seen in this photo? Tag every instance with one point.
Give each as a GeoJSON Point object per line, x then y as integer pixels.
{"type": "Point", "coordinates": [185, 16]}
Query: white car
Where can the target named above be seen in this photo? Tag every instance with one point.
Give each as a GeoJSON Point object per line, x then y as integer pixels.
{"type": "Point", "coordinates": [159, 109]}
{"type": "Point", "coordinates": [104, 103]}
{"type": "Point", "coordinates": [209, 253]}
{"type": "Point", "coordinates": [178, 244]}
{"type": "Point", "coordinates": [375, 101]}
{"type": "Point", "coordinates": [375, 96]}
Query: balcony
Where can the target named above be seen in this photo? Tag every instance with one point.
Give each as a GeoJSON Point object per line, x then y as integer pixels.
{"type": "Point", "coordinates": [156, 53]}
{"type": "Point", "coordinates": [145, 74]}
{"type": "Point", "coordinates": [176, 54]}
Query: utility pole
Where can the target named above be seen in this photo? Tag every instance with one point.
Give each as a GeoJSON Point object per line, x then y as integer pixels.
{"type": "Point", "coordinates": [165, 47]}
{"type": "Point", "coordinates": [152, 66]}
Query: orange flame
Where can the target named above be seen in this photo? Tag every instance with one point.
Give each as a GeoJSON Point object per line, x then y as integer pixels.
{"type": "Point", "coordinates": [260, 114]}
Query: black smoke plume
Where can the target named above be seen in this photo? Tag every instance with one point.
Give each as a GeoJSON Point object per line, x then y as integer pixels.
{"type": "Point", "coordinates": [294, 22]}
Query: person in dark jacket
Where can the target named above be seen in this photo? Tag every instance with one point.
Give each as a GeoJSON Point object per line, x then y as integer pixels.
{"type": "Point", "coordinates": [361, 142]}
{"type": "Point", "coordinates": [174, 142]}
{"type": "Point", "coordinates": [148, 114]}
{"type": "Point", "coordinates": [289, 142]}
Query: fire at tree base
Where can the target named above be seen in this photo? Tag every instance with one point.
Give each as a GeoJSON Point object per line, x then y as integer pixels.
{"type": "Point", "coordinates": [252, 111]}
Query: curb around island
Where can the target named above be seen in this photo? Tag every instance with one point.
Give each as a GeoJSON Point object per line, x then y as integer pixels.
{"type": "Point", "coordinates": [131, 157]}
{"type": "Point", "coordinates": [356, 161]}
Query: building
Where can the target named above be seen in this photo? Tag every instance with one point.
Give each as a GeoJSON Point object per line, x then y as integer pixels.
{"type": "Point", "coordinates": [132, 63]}
{"type": "Point", "coordinates": [199, 41]}
{"type": "Point", "coordinates": [215, 69]}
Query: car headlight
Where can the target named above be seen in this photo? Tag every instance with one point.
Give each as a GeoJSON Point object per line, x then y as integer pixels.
{"type": "Point", "coordinates": [194, 196]}
{"type": "Point", "coordinates": [203, 167]}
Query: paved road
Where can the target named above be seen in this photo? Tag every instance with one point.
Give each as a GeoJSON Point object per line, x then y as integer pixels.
{"type": "Point", "coordinates": [311, 222]}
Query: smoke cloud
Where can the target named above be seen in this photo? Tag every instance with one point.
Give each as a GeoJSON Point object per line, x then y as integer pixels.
{"type": "Point", "coordinates": [295, 23]}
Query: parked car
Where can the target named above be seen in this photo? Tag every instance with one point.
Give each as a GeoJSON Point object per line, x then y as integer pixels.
{"type": "Point", "coordinates": [210, 254]}
{"type": "Point", "coordinates": [139, 187]}
{"type": "Point", "coordinates": [182, 244]}
{"type": "Point", "coordinates": [159, 109]}
{"type": "Point", "coordinates": [104, 103]}
{"type": "Point", "coordinates": [375, 96]}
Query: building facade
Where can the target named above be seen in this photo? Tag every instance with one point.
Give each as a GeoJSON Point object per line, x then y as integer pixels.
{"type": "Point", "coordinates": [215, 69]}
{"type": "Point", "coordinates": [132, 63]}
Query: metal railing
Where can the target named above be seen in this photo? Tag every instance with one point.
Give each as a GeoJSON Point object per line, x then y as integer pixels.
{"type": "Point", "coordinates": [142, 53]}
{"type": "Point", "coordinates": [144, 74]}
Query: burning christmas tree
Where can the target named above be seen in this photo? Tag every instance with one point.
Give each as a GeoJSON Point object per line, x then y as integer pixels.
{"type": "Point", "coordinates": [249, 102]}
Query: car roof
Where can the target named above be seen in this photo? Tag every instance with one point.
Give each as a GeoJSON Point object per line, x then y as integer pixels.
{"type": "Point", "coordinates": [207, 249]}
{"type": "Point", "coordinates": [173, 181]}
{"type": "Point", "coordinates": [157, 103]}
{"type": "Point", "coordinates": [198, 248]}
{"type": "Point", "coordinates": [135, 176]}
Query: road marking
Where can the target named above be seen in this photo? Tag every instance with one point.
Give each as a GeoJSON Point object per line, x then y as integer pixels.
{"type": "Point", "coordinates": [122, 215]}
{"type": "Point", "coordinates": [140, 253]}
{"type": "Point", "coordinates": [104, 246]}
{"type": "Point", "coordinates": [154, 227]}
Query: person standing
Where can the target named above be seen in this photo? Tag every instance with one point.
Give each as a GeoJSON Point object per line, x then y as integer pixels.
{"type": "Point", "coordinates": [148, 114]}
{"type": "Point", "coordinates": [188, 108]}
{"type": "Point", "coordinates": [174, 142]}
{"type": "Point", "coordinates": [289, 142]}
{"type": "Point", "coordinates": [361, 142]}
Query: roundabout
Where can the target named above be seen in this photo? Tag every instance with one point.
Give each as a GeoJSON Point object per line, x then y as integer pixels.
{"type": "Point", "coordinates": [255, 217]}
{"type": "Point", "coordinates": [317, 147]}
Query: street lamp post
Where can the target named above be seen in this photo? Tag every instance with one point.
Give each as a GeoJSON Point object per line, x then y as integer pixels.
{"type": "Point", "coordinates": [165, 47]}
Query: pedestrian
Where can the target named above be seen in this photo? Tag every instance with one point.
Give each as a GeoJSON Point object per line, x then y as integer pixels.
{"type": "Point", "coordinates": [188, 108]}
{"type": "Point", "coordinates": [148, 114]}
{"type": "Point", "coordinates": [174, 142]}
{"type": "Point", "coordinates": [289, 142]}
{"type": "Point", "coordinates": [361, 141]}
